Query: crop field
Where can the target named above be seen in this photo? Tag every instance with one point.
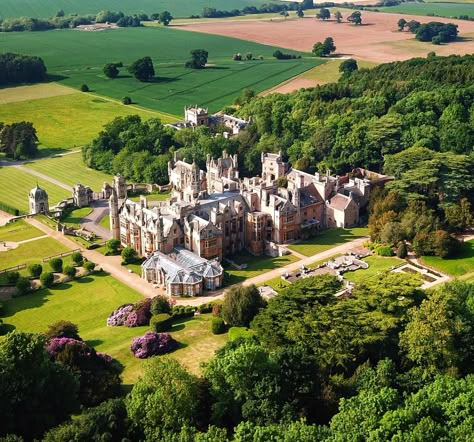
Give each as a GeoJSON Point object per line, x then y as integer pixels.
{"type": "Point", "coordinates": [178, 8]}
{"type": "Point", "coordinates": [174, 86]}
{"type": "Point", "coordinates": [64, 121]}
{"type": "Point", "coordinates": [16, 185]}
{"type": "Point", "coordinates": [88, 302]}
{"type": "Point", "coordinates": [70, 170]}
{"type": "Point", "coordinates": [372, 41]}
{"type": "Point", "coordinates": [439, 9]}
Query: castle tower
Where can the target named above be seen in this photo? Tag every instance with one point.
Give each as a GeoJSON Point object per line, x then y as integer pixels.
{"type": "Point", "coordinates": [114, 215]}
{"type": "Point", "coordinates": [120, 186]}
{"type": "Point", "coordinates": [38, 199]}
{"type": "Point", "coordinates": [195, 180]}
{"type": "Point", "coordinates": [273, 167]}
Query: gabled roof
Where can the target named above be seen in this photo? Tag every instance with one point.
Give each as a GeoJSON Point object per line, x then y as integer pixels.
{"type": "Point", "coordinates": [339, 202]}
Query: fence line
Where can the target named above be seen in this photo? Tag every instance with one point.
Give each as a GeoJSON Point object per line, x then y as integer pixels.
{"type": "Point", "coordinates": [13, 269]}
{"type": "Point", "coordinates": [60, 255]}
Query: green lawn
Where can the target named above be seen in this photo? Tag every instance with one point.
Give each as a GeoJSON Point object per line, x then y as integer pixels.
{"type": "Point", "coordinates": [75, 216]}
{"type": "Point", "coordinates": [156, 196]}
{"type": "Point", "coordinates": [105, 222]}
{"type": "Point", "coordinates": [19, 231]}
{"type": "Point", "coordinates": [178, 8]}
{"type": "Point", "coordinates": [440, 9]}
{"type": "Point", "coordinates": [16, 185]}
{"type": "Point", "coordinates": [31, 252]}
{"type": "Point", "coordinates": [68, 121]}
{"type": "Point", "coordinates": [88, 302]}
{"type": "Point", "coordinates": [377, 264]}
{"type": "Point", "coordinates": [461, 264]}
{"type": "Point", "coordinates": [328, 239]}
{"type": "Point", "coordinates": [77, 58]}
{"type": "Point", "coordinates": [255, 266]}
{"type": "Point", "coordinates": [70, 170]}
{"type": "Point", "coordinates": [329, 72]}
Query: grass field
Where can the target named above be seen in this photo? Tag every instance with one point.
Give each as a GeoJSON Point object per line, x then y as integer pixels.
{"type": "Point", "coordinates": [152, 197]}
{"type": "Point", "coordinates": [440, 9]}
{"type": "Point", "coordinates": [75, 216]}
{"type": "Point", "coordinates": [31, 252]}
{"type": "Point", "coordinates": [70, 170]}
{"type": "Point", "coordinates": [328, 239]}
{"type": "Point", "coordinates": [329, 72]}
{"type": "Point", "coordinates": [255, 266]}
{"type": "Point", "coordinates": [459, 265]}
{"type": "Point", "coordinates": [19, 231]}
{"type": "Point", "coordinates": [377, 264]}
{"type": "Point", "coordinates": [33, 92]}
{"type": "Point", "coordinates": [65, 121]}
{"type": "Point", "coordinates": [88, 302]}
{"type": "Point", "coordinates": [178, 8]}
{"type": "Point", "coordinates": [16, 186]}
{"type": "Point", "coordinates": [175, 86]}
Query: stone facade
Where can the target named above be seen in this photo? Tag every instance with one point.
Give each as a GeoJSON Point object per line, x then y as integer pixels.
{"type": "Point", "coordinates": [82, 195]}
{"type": "Point", "coordinates": [216, 214]}
{"type": "Point", "coordinates": [38, 201]}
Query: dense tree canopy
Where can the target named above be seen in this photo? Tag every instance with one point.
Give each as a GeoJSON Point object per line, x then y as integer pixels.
{"type": "Point", "coordinates": [142, 69]}
{"type": "Point", "coordinates": [18, 140]}
{"type": "Point", "coordinates": [16, 68]}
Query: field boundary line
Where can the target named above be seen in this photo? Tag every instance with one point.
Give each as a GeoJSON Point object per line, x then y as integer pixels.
{"type": "Point", "coordinates": [44, 177]}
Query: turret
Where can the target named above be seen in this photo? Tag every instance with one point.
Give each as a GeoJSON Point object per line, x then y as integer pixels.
{"type": "Point", "coordinates": [114, 215]}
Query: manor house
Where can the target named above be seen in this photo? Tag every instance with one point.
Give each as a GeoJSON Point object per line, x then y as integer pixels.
{"type": "Point", "coordinates": [215, 213]}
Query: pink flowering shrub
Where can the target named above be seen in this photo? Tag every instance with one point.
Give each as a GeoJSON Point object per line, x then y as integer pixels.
{"type": "Point", "coordinates": [119, 316]}
{"type": "Point", "coordinates": [152, 344]}
{"type": "Point", "coordinates": [134, 315]}
{"type": "Point", "coordinates": [132, 319]}
{"type": "Point", "coordinates": [57, 345]}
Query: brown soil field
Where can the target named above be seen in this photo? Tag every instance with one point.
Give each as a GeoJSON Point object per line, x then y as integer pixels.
{"type": "Point", "coordinates": [376, 40]}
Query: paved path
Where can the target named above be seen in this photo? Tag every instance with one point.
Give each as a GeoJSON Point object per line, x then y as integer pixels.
{"type": "Point", "coordinates": [100, 209]}
{"type": "Point", "coordinates": [44, 177]}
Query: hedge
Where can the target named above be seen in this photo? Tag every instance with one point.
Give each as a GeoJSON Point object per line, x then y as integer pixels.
{"type": "Point", "coordinates": [183, 312]}
{"type": "Point", "coordinates": [161, 322]}
{"type": "Point", "coordinates": [218, 326]}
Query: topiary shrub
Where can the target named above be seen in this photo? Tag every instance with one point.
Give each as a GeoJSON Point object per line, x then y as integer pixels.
{"type": "Point", "coordinates": [218, 326]}
{"type": "Point", "coordinates": [70, 271]}
{"type": "Point", "coordinates": [84, 88]}
{"type": "Point", "coordinates": [35, 270]}
{"type": "Point", "coordinates": [23, 285]}
{"type": "Point", "coordinates": [182, 311]}
{"type": "Point", "coordinates": [128, 255]}
{"type": "Point", "coordinates": [384, 251]}
{"type": "Point", "coordinates": [160, 304]}
{"type": "Point", "coordinates": [113, 245]}
{"type": "Point", "coordinates": [402, 251]}
{"type": "Point", "coordinates": [47, 279]}
{"type": "Point", "coordinates": [56, 264]}
{"type": "Point", "coordinates": [77, 258]}
{"type": "Point", "coordinates": [89, 266]}
{"type": "Point", "coordinates": [152, 344]}
{"type": "Point", "coordinates": [205, 308]}
{"type": "Point", "coordinates": [161, 323]}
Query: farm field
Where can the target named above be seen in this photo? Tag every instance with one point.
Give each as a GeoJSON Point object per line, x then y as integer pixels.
{"type": "Point", "coordinates": [88, 302]}
{"type": "Point", "coordinates": [70, 170]}
{"type": "Point", "coordinates": [372, 41]}
{"type": "Point", "coordinates": [19, 231]}
{"type": "Point", "coordinates": [458, 265]}
{"type": "Point", "coordinates": [175, 86]}
{"type": "Point", "coordinates": [327, 240]}
{"type": "Point", "coordinates": [439, 9]}
{"type": "Point", "coordinates": [63, 121]}
{"type": "Point", "coordinates": [31, 252]}
{"type": "Point", "coordinates": [178, 8]}
{"type": "Point", "coordinates": [16, 185]}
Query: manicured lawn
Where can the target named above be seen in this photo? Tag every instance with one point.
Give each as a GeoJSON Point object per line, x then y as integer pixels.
{"type": "Point", "coordinates": [19, 231]}
{"type": "Point", "coordinates": [34, 92]}
{"type": "Point", "coordinates": [440, 9]}
{"type": "Point", "coordinates": [31, 252]}
{"type": "Point", "coordinates": [255, 266]}
{"type": "Point", "coordinates": [105, 222]}
{"type": "Point", "coordinates": [16, 185]}
{"type": "Point", "coordinates": [277, 283]}
{"type": "Point", "coordinates": [66, 121]}
{"type": "Point", "coordinates": [461, 264]}
{"type": "Point", "coordinates": [178, 8]}
{"type": "Point", "coordinates": [78, 58]}
{"type": "Point", "coordinates": [70, 170]}
{"type": "Point", "coordinates": [75, 216]}
{"type": "Point", "coordinates": [328, 239]}
{"type": "Point", "coordinates": [157, 196]}
{"type": "Point", "coordinates": [240, 332]}
{"type": "Point", "coordinates": [377, 264]}
{"type": "Point", "coordinates": [88, 302]}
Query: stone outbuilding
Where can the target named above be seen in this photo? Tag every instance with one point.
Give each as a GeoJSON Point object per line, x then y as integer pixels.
{"type": "Point", "coordinates": [38, 199]}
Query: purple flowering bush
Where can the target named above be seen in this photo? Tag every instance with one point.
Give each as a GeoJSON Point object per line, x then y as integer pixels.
{"type": "Point", "coordinates": [132, 315]}
{"type": "Point", "coordinates": [57, 345]}
{"type": "Point", "coordinates": [119, 316]}
{"type": "Point", "coordinates": [152, 344]}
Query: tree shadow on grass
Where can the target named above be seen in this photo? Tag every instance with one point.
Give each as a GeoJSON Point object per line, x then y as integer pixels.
{"type": "Point", "coordinates": [32, 300]}
{"type": "Point", "coordinates": [85, 280]}
{"type": "Point", "coordinates": [61, 287]}
{"type": "Point", "coordinates": [51, 78]}
{"type": "Point", "coordinates": [180, 346]}
{"type": "Point", "coordinates": [94, 342]}
{"type": "Point", "coordinates": [6, 328]}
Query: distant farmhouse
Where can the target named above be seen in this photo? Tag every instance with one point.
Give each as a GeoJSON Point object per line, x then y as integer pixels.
{"type": "Point", "coordinates": [197, 116]}
{"type": "Point", "coordinates": [215, 214]}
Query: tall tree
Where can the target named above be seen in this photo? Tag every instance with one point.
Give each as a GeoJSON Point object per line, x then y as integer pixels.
{"type": "Point", "coordinates": [142, 69]}
{"type": "Point", "coordinates": [241, 304]}
{"type": "Point", "coordinates": [355, 17]}
{"type": "Point", "coordinates": [165, 18]}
